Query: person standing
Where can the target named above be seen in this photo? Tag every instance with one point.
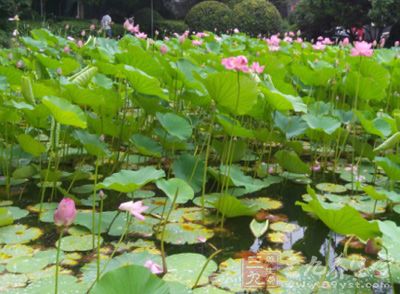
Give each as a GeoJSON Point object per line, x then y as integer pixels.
{"type": "Point", "coordinates": [106, 23]}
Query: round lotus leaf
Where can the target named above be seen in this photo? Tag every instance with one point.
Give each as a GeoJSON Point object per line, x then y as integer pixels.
{"type": "Point", "coordinates": [78, 243]}
{"type": "Point", "coordinates": [192, 214]}
{"type": "Point", "coordinates": [66, 283]}
{"type": "Point", "coordinates": [26, 264]}
{"type": "Point", "coordinates": [285, 257]}
{"type": "Point", "coordinates": [78, 231]}
{"type": "Point", "coordinates": [141, 194]}
{"type": "Point", "coordinates": [277, 237]}
{"type": "Point", "coordinates": [17, 213]}
{"type": "Point", "coordinates": [84, 189]}
{"type": "Point", "coordinates": [9, 281]}
{"type": "Point", "coordinates": [143, 228]}
{"type": "Point", "coordinates": [178, 288]}
{"type": "Point", "coordinates": [362, 177]}
{"type": "Point", "coordinates": [331, 188]}
{"type": "Point", "coordinates": [89, 270]}
{"type": "Point", "coordinates": [230, 276]}
{"type": "Point", "coordinates": [380, 272]}
{"type": "Point", "coordinates": [185, 233]}
{"type": "Point", "coordinates": [156, 204]}
{"type": "Point", "coordinates": [185, 268]}
{"type": "Point", "coordinates": [352, 262]}
{"type": "Point", "coordinates": [5, 203]}
{"type": "Point", "coordinates": [261, 203]}
{"type": "Point", "coordinates": [49, 254]}
{"type": "Point", "coordinates": [47, 272]}
{"type": "Point", "coordinates": [356, 187]}
{"type": "Point", "coordinates": [18, 234]}
{"type": "Point", "coordinates": [47, 216]}
{"type": "Point", "coordinates": [15, 250]}
{"type": "Point", "coordinates": [209, 289]}
{"type": "Point", "coordinates": [296, 178]}
{"type": "Point", "coordinates": [283, 227]}
{"type": "Point", "coordinates": [45, 206]}
{"type": "Point", "coordinates": [144, 244]}
{"type": "Point", "coordinates": [209, 199]}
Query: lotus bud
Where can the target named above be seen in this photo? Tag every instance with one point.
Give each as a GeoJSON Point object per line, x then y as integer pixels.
{"type": "Point", "coordinates": [65, 213]}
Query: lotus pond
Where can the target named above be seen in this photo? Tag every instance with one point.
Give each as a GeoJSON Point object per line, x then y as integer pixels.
{"type": "Point", "coordinates": [168, 166]}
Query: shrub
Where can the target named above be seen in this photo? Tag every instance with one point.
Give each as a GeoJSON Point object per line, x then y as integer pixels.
{"type": "Point", "coordinates": [169, 26]}
{"type": "Point", "coordinates": [143, 18]}
{"type": "Point", "coordinates": [257, 16]}
{"type": "Point", "coordinates": [209, 15]}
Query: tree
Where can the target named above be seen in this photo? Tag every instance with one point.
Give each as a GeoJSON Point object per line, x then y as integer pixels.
{"type": "Point", "coordinates": [10, 8]}
{"type": "Point", "coordinates": [385, 12]}
{"type": "Point", "coordinates": [315, 17]}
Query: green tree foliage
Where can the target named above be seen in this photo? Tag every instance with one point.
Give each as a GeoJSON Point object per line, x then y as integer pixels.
{"type": "Point", "coordinates": [315, 17]}
{"type": "Point", "coordinates": [209, 15]}
{"type": "Point", "coordinates": [9, 8]}
{"type": "Point", "coordinates": [257, 17]}
{"type": "Point", "coordinates": [385, 12]}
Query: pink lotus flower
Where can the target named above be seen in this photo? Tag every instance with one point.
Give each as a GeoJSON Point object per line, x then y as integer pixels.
{"type": "Point", "coordinates": [65, 213]}
{"type": "Point", "coordinates": [288, 39]}
{"type": "Point", "coordinates": [345, 42]}
{"type": "Point", "coordinates": [291, 34]}
{"type": "Point", "coordinates": [141, 35]}
{"type": "Point", "coordinates": [316, 166]}
{"type": "Point", "coordinates": [327, 41]}
{"type": "Point", "coordinates": [134, 208]}
{"type": "Point", "coordinates": [362, 49]}
{"type": "Point", "coordinates": [202, 239]}
{"type": "Point", "coordinates": [271, 170]}
{"type": "Point", "coordinates": [20, 64]}
{"type": "Point", "coordinates": [373, 246]}
{"type": "Point", "coordinates": [201, 35]}
{"type": "Point", "coordinates": [80, 43]}
{"type": "Point", "coordinates": [197, 42]}
{"type": "Point", "coordinates": [273, 43]}
{"type": "Point", "coordinates": [130, 27]}
{"type": "Point", "coordinates": [396, 44]}
{"type": "Point", "coordinates": [153, 267]}
{"type": "Point", "coordinates": [163, 49]}
{"type": "Point", "coordinates": [319, 46]}
{"type": "Point", "coordinates": [67, 49]}
{"type": "Point", "coordinates": [238, 63]}
{"type": "Point", "coordinates": [320, 38]}
{"type": "Point", "coordinates": [257, 68]}
{"type": "Point", "coordinates": [299, 40]}
{"type": "Point", "coordinates": [69, 38]}
{"type": "Point", "coordinates": [236, 31]}
{"type": "Point", "coordinates": [182, 38]}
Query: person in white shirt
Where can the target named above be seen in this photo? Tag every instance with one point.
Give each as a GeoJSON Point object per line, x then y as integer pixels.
{"type": "Point", "coordinates": [106, 23]}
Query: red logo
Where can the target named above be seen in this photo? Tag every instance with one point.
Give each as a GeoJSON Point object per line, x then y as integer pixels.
{"type": "Point", "coordinates": [260, 271]}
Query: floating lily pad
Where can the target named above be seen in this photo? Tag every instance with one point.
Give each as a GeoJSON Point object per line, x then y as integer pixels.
{"type": "Point", "coordinates": [285, 257]}
{"type": "Point", "coordinates": [15, 250]}
{"type": "Point", "coordinates": [78, 231]}
{"type": "Point", "coordinates": [45, 207]}
{"type": "Point", "coordinates": [8, 281]}
{"type": "Point", "coordinates": [209, 289]}
{"type": "Point", "coordinates": [181, 269]}
{"type": "Point", "coordinates": [141, 194]}
{"type": "Point", "coordinates": [296, 178]}
{"type": "Point", "coordinates": [331, 188]}
{"type": "Point", "coordinates": [5, 203]}
{"type": "Point", "coordinates": [67, 283]}
{"type": "Point", "coordinates": [181, 233]}
{"type": "Point", "coordinates": [26, 264]}
{"type": "Point", "coordinates": [209, 199]}
{"type": "Point", "coordinates": [78, 243]}
{"type": "Point", "coordinates": [284, 227]}
{"type": "Point", "coordinates": [156, 204]}
{"type": "Point", "coordinates": [17, 213]}
{"type": "Point", "coordinates": [47, 272]}
{"type": "Point", "coordinates": [277, 237]}
{"type": "Point", "coordinates": [192, 214]}
{"type": "Point", "coordinates": [261, 203]}
{"type": "Point", "coordinates": [18, 234]}
{"type": "Point", "coordinates": [143, 228]}
{"type": "Point", "coordinates": [352, 262]}
{"type": "Point", "coordinates": [230, 276]}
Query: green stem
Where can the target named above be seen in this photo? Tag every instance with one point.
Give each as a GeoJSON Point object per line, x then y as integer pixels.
{"type": "Point", "coordinates": [98, 238]}
{"type": "Point", "coordinates": [205, 266]}
{"type": "Point", "coordinates": [58, 261]}
{"type": "Point", "coordinates": [94, 202]}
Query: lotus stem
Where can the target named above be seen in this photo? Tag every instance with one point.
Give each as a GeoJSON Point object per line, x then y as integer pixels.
{"type": "Point", "coordinates": [58, 260]}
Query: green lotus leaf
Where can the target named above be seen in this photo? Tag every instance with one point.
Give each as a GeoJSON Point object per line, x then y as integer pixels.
{"type": "Point", "coordinates": [185, 233]}
{"type": "Point", "coordinates": [78, 243]}
{"type": "Point", "coordinates": [128, 181]}
{"type": "Point", "coordinates": [176, 188]}
{"type": "Point", "coordinates": [175, 125]}
{"type": "Point", "coordinates": [19, 234]}
{"type": "Point", "coordinates": [65, 112]}
{"type": "Point", "coordinates": [181, 269]}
